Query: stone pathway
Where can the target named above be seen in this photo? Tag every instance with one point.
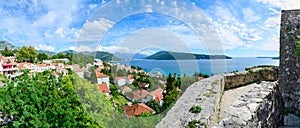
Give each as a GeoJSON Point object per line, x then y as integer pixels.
{"type": "Point", "coordinates": [232, 95]}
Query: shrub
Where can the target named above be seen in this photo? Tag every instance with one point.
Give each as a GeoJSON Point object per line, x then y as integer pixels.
{"type": "Point", "coordinates": [195, 109]}
{"type": "Point", "coordinates": [250, 71]}
{"type": "Point", "coordinates": [195, 124]}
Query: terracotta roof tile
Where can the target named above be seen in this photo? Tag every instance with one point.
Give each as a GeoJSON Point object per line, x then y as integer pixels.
{"type": "Point", "coordinates": [136, 95]}
{"type": "Point", "coordinates": [100, 75]}
{"type": "Point", "coordinates": [137, 109]}
{"type": "Point", "coordinates": [103, 88]}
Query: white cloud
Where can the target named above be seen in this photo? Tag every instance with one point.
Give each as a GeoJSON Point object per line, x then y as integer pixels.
{"type": "Point", "coordinates": [272, 44]}
{"type": "Point", "coordinates": [45, 47]}
{"type": "Point", "coordinates": [114, 49]}
{"type": "Point", "coordinates": [59, 32]}
{"type": "Point", "coordinates": [232, 31]}
{"type": "Point", "coordinates": [81, 48]}
{"type": "Point", "coordinates": [249, 15]}
{"type": "Point", "coordinates": [93, 30]}
{"type": "Point", "coordinates": [272, 22]}
{"type": "Point", "coordinates": [92, 6]}
{"type": "Point", "coordinates": [283, 4]}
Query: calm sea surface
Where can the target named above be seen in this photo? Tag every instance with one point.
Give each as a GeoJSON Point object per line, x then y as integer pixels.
{"type": "Point", "coordinates": [217, 66]}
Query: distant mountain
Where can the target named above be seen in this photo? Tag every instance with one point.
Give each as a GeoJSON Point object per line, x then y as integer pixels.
{"type": "Point", "coordinates": [46, 52]}
{"type": "Point", "coordinates": [264, 57]}
{"type": "Point", "coordinates": [139, 56]}
{"type": "Point", "coordinates": [275, 58]}
{"type": "Point", "coordinates": [10, 46]}
{"type": "Point", "coordinates": [127, 56]}
{"type": "Point", "coordinates": [167, 55]}
{"type": "Point", "coordinates": [104, 56]}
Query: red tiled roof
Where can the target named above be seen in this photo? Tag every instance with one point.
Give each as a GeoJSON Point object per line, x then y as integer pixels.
{"type": "Point", "coordinates": [100, 75]}
{"type": "Point", "coordinates": [103, 88]}
{"type": "Point", "coordinates": [157, 94]}
{"type": "Point", "coordinates": [138, 94]}
{"type": "Point", "coordinates": [137, 109]}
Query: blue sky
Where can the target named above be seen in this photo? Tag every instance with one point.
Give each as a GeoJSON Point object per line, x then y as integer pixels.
{"type": "Point", "coordinates": [233, 27]}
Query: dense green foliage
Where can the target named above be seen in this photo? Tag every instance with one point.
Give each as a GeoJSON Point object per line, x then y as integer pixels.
{"type": "Point", "coordinates": [195, 124]}
{"type": "Point", "coordinates": [195, 109]}
{"type": "Point", "coordinates": [171, 91]}
{"type": "Point", "coordinates": [155, 106]}
{"type": "Point", "coordinates": [7, 52]}
{"type": "Point", "coordinates": [100, 108]}
{"type": "Point", "coordinates": [168, 55]}
{"type": "Point", "coordinates": [42, 100]}
{"type": "Point", "coordinates": [26, 54]}
{"type": "Point", "coordinates": [42, 56]}
{"type": "Point", "coordinates": [297, 50]}
{"type": "Point", "coordinates": [82, 60]}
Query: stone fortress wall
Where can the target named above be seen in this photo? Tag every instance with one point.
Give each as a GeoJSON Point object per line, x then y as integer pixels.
{"type": "Point", "coordinates": [265, 101]}
{"type": "Point", "coordinates": [289, 68]}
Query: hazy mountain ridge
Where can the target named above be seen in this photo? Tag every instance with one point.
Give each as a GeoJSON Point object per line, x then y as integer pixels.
{"type": "Point", "coordinates": [168, 55]}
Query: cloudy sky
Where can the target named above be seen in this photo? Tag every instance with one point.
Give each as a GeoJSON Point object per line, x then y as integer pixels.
{"type": "Point", "coordinates": [238, 28]}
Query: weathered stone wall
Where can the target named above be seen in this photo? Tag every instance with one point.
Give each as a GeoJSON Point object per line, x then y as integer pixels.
{"type": "Point", "coordinates": [261, 107]}
{"type": "Point", "coordinates": [289, 67]}
{"type": "Point", "coordinates": [206, 94]}
{"type": "Point", "coordinates": [235, 80]}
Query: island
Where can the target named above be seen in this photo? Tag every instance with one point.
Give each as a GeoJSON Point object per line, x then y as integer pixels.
{"type": "Point", "coordinates": [168, 55]}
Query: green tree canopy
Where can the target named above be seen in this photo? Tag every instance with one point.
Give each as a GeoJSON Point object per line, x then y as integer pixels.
{"type": "Point", "coordinates": [26, 54]}
{"type": "Point", "coordinates": [42, 56]}
{"type": "Point", "coordinates": [43, 100]}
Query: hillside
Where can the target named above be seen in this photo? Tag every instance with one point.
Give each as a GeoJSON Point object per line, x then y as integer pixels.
{"type": "Point", "coordinates": [167, 55]}
{"type": "Point", "coordinates": [104, 56]}
{"type": "Point", "coordinates": [4, 44]}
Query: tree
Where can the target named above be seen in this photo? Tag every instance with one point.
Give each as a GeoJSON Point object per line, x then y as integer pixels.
{"type": "Point", "coordinates": [26, 54]}
{"type": "Point", "coordinates": [154, 105]}
{"type": "Point", "coordinates": [7, 52]}
{"type": "Point", "coordinates": [42, 56]}
{"type": "Point", "coordinates": [42, 100]}
{"type": "Point", "coordinates": [171, 91]}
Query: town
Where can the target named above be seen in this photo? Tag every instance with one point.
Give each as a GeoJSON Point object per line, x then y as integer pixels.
{"type": "Point", "coordinates": [130, 89]}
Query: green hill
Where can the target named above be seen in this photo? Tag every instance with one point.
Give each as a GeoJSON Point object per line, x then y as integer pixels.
{"type": "Point", "coordinates": [167, 55]}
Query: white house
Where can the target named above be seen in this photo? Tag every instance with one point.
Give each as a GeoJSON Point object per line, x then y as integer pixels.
{"type": "Point", "coordinates": [98, 62]}
{"type": "Point", "coordinates": [102, 78]}
{"type": "Point", "coordinates": [120, 81]}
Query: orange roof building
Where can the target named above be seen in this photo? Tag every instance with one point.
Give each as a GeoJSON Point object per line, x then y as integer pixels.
{"type": "Point", "coordinates": [137, 109]}
{"type": "Point", "coordinates": [137, 95]}
{"type": "Point", "coordinates": [100, 75]}
{"type": "Point", "coordinates": [157, 95]}
{"type": "Point", "coordinates": [103, 88]}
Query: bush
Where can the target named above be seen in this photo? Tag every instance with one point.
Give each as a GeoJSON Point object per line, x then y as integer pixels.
{"type": "Point", "coordinates": [195, 124]}
{"type": "Point", "coordinates": [250, 71]}
{"type": "Point", "coordinates": [195, 109]}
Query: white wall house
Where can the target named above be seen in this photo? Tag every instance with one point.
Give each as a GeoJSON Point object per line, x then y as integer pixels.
{"type": "Point", "coordinates": [120, 81]}
{"type": "Point", "coordinates": [102, 78]}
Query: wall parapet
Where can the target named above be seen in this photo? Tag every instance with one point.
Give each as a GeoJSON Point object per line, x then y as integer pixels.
{"type": "Point", "coordinates": [234, 80]}
{"type": "Point", "coordinates": [262, 106]}
{"type": "Point", "coordinates": [206, 94]}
